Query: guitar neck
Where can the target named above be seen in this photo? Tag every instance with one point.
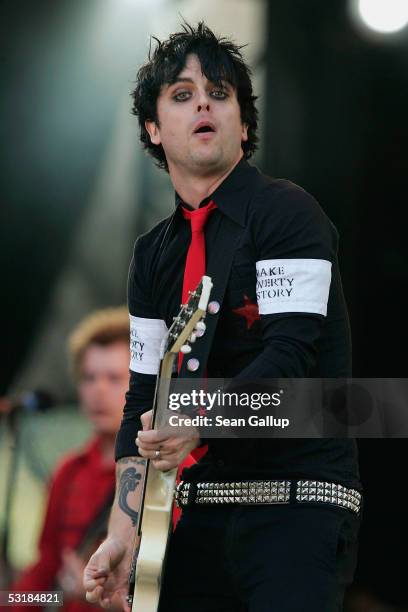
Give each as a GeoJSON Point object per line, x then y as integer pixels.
{"type": "Point", "coordinates": [154, 524]}
{"type": "Point", "coordinates": [161, 396]}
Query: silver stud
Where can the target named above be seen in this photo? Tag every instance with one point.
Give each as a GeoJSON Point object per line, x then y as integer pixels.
{"type": "Point", "coordinates": [193, 364]}
{"type": "Point", "coordinates": [213, 307]}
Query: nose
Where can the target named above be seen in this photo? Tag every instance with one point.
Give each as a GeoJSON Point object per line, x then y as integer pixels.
{"type": "Point", "coordinates": [203, 102]}
{"type": "Point", "coordinates": [100, 387]}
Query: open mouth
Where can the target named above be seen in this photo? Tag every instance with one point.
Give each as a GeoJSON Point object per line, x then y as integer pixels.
{"type": "Point", "coordinates": [204, 128]}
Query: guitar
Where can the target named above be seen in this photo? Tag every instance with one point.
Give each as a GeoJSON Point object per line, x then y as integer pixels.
{"type": "Point", "coordinates": [155, 518]}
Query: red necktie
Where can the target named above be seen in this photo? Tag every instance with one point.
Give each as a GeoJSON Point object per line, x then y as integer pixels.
{"type": "Point", "coordinates": [194, 270]}
{"type": "Point", "coordinates": [195, 261]}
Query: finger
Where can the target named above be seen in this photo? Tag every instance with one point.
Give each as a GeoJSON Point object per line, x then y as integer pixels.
{"type": "Point", "coordinates": [149, 454]}
{"type": "Point", "coordinates": [153, 436]}
{"type": "Point", "coordinates": [92, 583]}
{"type": "Point", "coordinates": [91, 573]}
{"type": "Point", "coordinates": [125, 603]}
{"type": "Point", "coordinates": [94, 577]}
{"type": "Point", "coordinates": [171, 450]}
{"type": "Point", "coordinates": [94, 595]}
{"type": "Point", "coordinates": [152, 448]}
{"type": "Point", "coordinates": [146, 420]}
{"type": "Point", "coordinates": [149, 446]}
{"type": "Point", "coordinates": [106, 602]}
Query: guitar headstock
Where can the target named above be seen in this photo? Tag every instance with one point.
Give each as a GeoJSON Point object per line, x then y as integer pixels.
{"type": "Point", "coordinates": [189, 323]}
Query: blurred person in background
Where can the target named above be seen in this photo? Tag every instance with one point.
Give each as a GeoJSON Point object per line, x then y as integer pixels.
{"type": "Point", "coordinates": [82, 487]}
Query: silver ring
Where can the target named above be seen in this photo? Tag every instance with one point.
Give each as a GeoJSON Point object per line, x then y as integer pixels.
{"type": "Point", "coordinates": [157, 454]}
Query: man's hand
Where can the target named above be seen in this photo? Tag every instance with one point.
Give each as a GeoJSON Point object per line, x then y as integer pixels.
{"type": "Point", "coordinates": [70, 574]}
{"type": "Point", "coordinates": [107, 573]}
{"type": "Point", "coordinates": [173, 448]}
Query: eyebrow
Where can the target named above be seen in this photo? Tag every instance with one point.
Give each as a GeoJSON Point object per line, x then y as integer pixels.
{"type": "Point", "coordinates": [181, 80]}
{"type": "Point", "coordinates": [188, 80]}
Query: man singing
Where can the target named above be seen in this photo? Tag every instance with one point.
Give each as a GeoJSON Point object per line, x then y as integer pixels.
{"type": "Point", "coordinates": [280, 313]}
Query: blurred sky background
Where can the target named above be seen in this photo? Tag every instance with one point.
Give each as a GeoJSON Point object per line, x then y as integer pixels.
{"type": "Point", "coordinates": [76, 189]}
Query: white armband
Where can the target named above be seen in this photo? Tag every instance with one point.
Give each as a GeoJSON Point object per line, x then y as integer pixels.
{"type": "Point", "coordinates": [293, 285]}
{"type": "Point", "coordinates": [146, 336]}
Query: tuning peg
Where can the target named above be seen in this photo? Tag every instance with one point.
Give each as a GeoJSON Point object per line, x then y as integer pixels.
{"type": "Point", "coordinates": [186, 348]}
{"type": "Point", "coordinates": [193, 337]}
{"type": "Point", "coordinates": [200, 329]}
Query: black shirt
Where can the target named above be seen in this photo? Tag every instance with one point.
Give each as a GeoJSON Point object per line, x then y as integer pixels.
{"type": "Point", "coordinates": [283, 315]}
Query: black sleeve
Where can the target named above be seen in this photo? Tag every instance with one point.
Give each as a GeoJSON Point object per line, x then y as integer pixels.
{"type": "Point", "coordinates": [296, 247]}
{"type": "Point", "coordinates": [146, 333]}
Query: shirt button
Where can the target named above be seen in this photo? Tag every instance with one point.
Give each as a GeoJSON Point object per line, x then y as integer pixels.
{"type": "Point", "coordinates": [220, 463]}
{"type": "Point", "coordinates": [193, 364]}
{"type": "Point", "coordinates": [213, 307]}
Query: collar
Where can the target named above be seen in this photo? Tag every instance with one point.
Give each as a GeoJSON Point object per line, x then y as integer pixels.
{"type": "Point", "coordinates": [92, 453]}
{"type": "Point", "coordinates": [233, 195]}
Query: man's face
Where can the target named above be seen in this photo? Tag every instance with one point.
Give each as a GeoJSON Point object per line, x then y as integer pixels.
{"type": "Point", "coordinates": [104, 379]}
{"type": "Point", "coordinates": [200, 125]}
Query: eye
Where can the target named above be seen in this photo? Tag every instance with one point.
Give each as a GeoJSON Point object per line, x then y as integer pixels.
{"type": "Point", "coordinates": [220, 94]}
{"type": "Point", "coordinates": [88, 377]}
{"type": "Point", "coordinates": [114, 378]}
{"type": "Point", "coordinates": [181, 96]}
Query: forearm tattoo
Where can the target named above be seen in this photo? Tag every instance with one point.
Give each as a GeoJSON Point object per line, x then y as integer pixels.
{"type": "Point", "coordinates": [128, 481]}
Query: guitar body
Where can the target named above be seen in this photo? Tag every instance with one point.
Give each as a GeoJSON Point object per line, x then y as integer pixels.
{"type": "Point", "coordinates": [156, 526]}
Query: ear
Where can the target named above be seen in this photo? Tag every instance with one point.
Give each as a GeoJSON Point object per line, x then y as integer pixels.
{"type": "Point", "coordinates": [153, 131]}
{"type": "Point", "coordinates": [244, 133]}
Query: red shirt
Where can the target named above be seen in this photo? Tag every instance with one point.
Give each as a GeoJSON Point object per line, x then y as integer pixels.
{"type": "Point", "coordinates": [79, 488]}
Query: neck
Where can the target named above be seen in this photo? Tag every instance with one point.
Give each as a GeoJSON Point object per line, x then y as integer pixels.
{"type": "Point", "coordinates": [107, 447]}
{"type": "Point", "coordinates": [193, 188]}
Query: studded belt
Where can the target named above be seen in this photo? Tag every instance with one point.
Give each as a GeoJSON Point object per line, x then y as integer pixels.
{"type": "Point", "coordinates": [258, 492]}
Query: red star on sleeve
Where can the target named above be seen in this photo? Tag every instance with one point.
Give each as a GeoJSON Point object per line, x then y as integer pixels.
{"type": "Point", "coordinates": [249, 311]}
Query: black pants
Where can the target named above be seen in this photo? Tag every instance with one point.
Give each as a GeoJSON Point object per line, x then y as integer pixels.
{"type": "Point", "coordinates": [289, 558]}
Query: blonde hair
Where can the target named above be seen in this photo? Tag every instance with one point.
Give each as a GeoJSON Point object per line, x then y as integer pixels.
{"type": "Point", "coordinates": [102, 327]}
